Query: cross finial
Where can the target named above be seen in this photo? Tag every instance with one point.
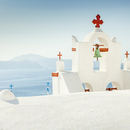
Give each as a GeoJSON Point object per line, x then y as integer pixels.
{"type": "Point", "coordinates": [97, 21]}
{"type": "Point", "coordinates": [59, 55]}
{"type": "Point", "coordinates": [127, 54]}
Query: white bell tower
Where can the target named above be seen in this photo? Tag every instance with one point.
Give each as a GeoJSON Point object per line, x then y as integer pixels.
{"type": "Point", "coordinates": [59, 64]}
{"type": "Point", "coordinates": [56, 75]}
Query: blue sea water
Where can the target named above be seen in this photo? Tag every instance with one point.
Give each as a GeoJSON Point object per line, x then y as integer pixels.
{"type": "Point", "coordinates": [26, 82]}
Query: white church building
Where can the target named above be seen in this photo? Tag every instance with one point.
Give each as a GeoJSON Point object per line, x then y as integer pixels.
{"type": "Point", "coordinates": [96, 65]}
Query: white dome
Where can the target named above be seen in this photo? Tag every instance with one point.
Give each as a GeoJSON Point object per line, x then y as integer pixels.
{"type": "Point", "coordinates": [8, 96]}
{"type": "Point", "coordinates": [97, 34]}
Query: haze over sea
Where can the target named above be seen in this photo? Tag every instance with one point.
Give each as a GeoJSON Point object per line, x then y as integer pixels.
{"type": "Point", "coordinates": [29, 74]}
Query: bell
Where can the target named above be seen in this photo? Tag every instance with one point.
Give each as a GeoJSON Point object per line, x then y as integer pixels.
{"type": "Point", "coordinates": [97, 53]}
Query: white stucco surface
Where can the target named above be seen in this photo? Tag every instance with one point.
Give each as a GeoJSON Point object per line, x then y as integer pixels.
{"type": "Point", "coordinates": [72, 82]}
{"type": "Point", "coordinates": [80, 111]}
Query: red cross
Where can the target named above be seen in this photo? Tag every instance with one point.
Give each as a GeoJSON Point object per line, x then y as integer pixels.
{"type": "Point", "coordinates": [127, 54]}
{"type": "Point", "coordinates": [97, 21]}
{"type": "Point", "coordinates": [59, 55]}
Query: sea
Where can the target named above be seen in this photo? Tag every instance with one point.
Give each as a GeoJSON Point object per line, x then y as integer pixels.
{"type": "Point", "coordinates": [25, 83]}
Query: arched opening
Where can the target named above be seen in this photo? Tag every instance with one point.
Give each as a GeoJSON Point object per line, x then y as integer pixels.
{"type": "Point", "coordinates": [100, 54]}
{"type": "Point", "coordinates": [87, 87]}
{"type": "Point", "coordinates": [112, 86]}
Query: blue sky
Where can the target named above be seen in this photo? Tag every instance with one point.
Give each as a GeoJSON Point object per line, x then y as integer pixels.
{"type": "Point", "coordinates": [45, 26]}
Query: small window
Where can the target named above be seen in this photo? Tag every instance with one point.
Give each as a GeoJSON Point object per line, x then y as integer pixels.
{"type": "Point", "coordinates": [112, 86]}
{"type": "Point", "coordinates": [122, 66]}
{"type": "Point", "coordinates": [96, 65]}
{"type": "Point", "coordinates": [87, 87]}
